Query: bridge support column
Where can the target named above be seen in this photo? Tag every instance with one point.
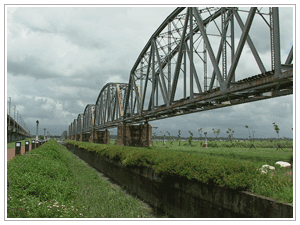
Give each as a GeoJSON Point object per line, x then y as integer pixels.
{"type": "Point", "coordinates": [85, 137]}
{"type": "Point", "coordinates": [91, 137]}
{"type": "Point", "coordinates": [135, 135]}
{"type": "Point", "coordinates": [101, 137]}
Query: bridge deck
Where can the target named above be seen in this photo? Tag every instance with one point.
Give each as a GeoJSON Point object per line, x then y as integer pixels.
{"type": "Point", "coordinates": [255, 88]}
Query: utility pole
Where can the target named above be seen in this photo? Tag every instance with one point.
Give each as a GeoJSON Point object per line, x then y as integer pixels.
{"type": "Point", "coordinates": [14, 116]}
{"type": "Point", "coordinates": [37, 128]}
{"type": "Point", "coordinates": [9, 111]}
{"type": "Point", "coordinates": [44, 133]}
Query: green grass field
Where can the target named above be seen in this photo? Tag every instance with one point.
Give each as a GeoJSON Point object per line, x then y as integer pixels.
{"type": "Point", "coordinates": [263, 153]}
{"type": "Point", "coordinates": [51, 182]}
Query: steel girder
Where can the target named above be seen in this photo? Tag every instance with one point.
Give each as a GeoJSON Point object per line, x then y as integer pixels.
{"type": "Point", "coordinates": [109, 106]}
{"type": "Point", "coordinates": [79, 123]}
{"type": "Point", "coordinates": [88, 118]}
{"type": "Point", "coordinates": [184, 49]}
{"type": "Point", "coordinates": [198, 50]}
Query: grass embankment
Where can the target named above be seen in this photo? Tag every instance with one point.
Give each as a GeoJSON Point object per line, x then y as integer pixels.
{"type": "Point", "coordinates": [12, 144]}
{"type": "Point", "coordinates": [51, 182]}
{"type": "Point", "coordinates": [222, 169]}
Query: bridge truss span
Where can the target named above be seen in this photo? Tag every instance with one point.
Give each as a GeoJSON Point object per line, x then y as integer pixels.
{"type": "Point", "coordinates": [196, 54]}
{"type": "Point", "coordinates": [199, 59]}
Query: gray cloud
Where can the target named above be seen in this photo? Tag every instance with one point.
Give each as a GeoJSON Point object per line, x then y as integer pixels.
{"type": "Point", "coordinates": [30, 66]}
{"type": "Point", "coordinates": [59, 58]}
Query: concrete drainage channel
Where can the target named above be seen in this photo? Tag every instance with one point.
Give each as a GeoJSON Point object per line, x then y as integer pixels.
{"type": "Point", "coordinates": [182, 198]}
{"type": "Point", "coordinates": [155, 212]}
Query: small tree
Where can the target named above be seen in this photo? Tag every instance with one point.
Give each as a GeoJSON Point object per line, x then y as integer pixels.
{"type": "Point", "coordinates": [248, 131]}
{"type": "Point", "coordinates": [276, 128]}
{"type": "Point", "coordinates": [216, 133]}
{"type": "Point", "coordinates": [190, 138]}
{"type": "Point", "coordinates": [200, 134]}
{"type": "Point", "coordinates": [230, 134]}
{"type": "Point", "coordinates": [163, 137]}
{"type": "Point", "coordinates": [179, 137]}
{"type": "Point", "coordinates": [154, 136]}
{"type": "Point", "coordinates": [169, 136]}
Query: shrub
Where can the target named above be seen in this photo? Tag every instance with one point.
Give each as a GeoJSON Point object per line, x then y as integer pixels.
{"type": "Point", "coordinates": [210, 170]}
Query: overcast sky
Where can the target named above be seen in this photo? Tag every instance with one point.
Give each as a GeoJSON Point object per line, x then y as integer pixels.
{"type": "Point", "coordinates": [59, 58]}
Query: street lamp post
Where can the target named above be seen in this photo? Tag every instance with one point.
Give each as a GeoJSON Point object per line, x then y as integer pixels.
{"type": "Point", "coordinates": [37, 132]}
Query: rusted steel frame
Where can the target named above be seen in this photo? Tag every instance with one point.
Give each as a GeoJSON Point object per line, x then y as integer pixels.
{"type": "Point", "coordinates": [289, 59]}
{"type": "Point", "coordinates": [218, 56]}
{"type": "Point", "coordinates": [137, 96]}
{"type": "Point", "coordinates": [148, 45]}
{"type": "Point", "coordinates": [195, 75]}
{"type": "Point", "coordinates": [163, 85]}
{"type": "Point", "coordinates": [201, 26]}
{"type": "Point", "coordinates": [119, 97]}
{"type": "Point", "coordinates": [92, 118]}
{"type": "Point", "coordinates": [191, 51]}
{"type": "Point", "coordinates": [241, 44]}
{"type": "Point", "coordinates": [156, 33]}
{"type": "Point", "coordinates": [250, 43]}
{"type": "Point", "coordinates": [108, 104]}
{"type": "Point", "coordinates": [146, 81]}
{"type": "Point", "coordinates": [151, 101]}
{"type": "Point", "coordinates": [216, 94]}
{"type": "Point", "coordinates": [114, 103]}
{"type": "Point", "coordinates": [179, 60]}
{"type": "Point", "coordinates": [155, 116]}
{"type": "Point", "coordinates": [276, 33]}
{"type": "Point", "coordinates": [100, 103]}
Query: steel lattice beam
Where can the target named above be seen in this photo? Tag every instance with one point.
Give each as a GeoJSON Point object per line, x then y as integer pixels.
{"type": "Point", "coordinates": [177, 53]}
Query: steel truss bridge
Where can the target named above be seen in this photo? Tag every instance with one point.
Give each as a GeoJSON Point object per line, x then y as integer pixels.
{"type": "Point", "coordinates": [192, 63]}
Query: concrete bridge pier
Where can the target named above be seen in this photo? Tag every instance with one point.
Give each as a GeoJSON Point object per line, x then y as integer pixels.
{"type": "Point", "coordinates": [135, 135]}
{"type": "Point", "coordinates": [101, 137]}
{"type": "Point", "coordinates": [85, 137]}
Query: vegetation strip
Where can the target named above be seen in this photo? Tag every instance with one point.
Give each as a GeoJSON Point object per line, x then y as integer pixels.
{"type": "Point", "coordinates": [51, 182]}
{"type": "Point", "coordinates": [220, 171]}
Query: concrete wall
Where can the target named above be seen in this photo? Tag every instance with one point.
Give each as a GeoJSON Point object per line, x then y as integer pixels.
{"type": "Point", "coordinates": [183, 198]}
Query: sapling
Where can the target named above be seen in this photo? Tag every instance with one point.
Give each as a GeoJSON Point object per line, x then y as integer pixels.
{"type": "Point", "coordinates": [179, 133]}
{"type": "Point", "coordinates": [276, 128]}
{"type": "Point", "coordinates": [163, 137]}
{"type": "Point", "coordinates": [230, 134]}
{"type": "Point", "coordinates": [248, 131]}
{"type": "Point", "coordinates": [216, 133]}
{"type": "Point", "coordinates": [190, 138]}
{"type": "Point", "coordinates": [252, 145]}
{"type": "Point", "coordinates": [200, 134]}
{"type": "Point", "coordinates": [169, 137]}
{"type": "Point", "coordinates": [154, 135]}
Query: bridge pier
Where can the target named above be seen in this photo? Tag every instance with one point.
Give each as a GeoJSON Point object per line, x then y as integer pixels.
{"type": "Point", "coordinates": [85, 137]}
{"type": "Point", "coordinates": [135, 135]}
{"type": "Point", "coordinates": [77, 137]}
{"type": "Point", "coordinates": [101, 137]}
